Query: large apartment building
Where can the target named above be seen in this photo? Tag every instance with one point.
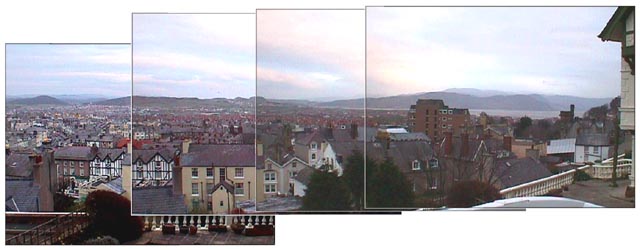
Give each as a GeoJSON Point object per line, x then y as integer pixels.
{"type": "Point", "coordinates": [434, 118]}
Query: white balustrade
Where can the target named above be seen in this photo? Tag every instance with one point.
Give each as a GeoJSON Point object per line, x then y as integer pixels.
{"type": "Point", "coordinates": [202, 221]}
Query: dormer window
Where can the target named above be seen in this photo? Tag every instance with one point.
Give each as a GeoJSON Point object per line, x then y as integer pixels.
{"type": "Point", "coordinates": [415, 165]}
{"type": "Point", "coordinates": [433, 163]}
{"type": "Point", "coordinates": [314, 146]}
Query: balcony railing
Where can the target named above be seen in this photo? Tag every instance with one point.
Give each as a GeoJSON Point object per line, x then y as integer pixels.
{"type": "Point", "coordinates": [53, 231]}
{"type": "Point", "coordinates": [202, 221]}
{"type": "Point", "coordinates": [542, 186]}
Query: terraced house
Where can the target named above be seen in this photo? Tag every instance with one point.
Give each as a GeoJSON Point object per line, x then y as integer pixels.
{"type": "Point", "coordinates": [82, 163]}
{"type": "Point", "coordinates": [216, 177]}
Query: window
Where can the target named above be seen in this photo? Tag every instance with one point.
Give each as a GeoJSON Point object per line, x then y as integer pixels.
{"type": "Point", "coordinates": [313, 156]}
{"type": "Point", "coordinates": [450, 112]}
{"type": "Point", "coordinates": [140, 163]}
{"type": "Point", "coordinates": [194, 189]}
{"type": "Point", "coordinates": [239, 190]}
{"type": "Point", "coordinates": [64, 163]}
{"type": "Point", "coordinates": [444, 118]}
{"type": "Point", "coordinates": [444, 125]}
{"type": "Point", "coordinates": [158, 163]}
{"type": "Point", "coordinates": [434, 183]}
{"type": "Point", "coordinates": [73, 171]}
{"type": "Point", "coordinates": [194, 172]}
{"type": "Point", "coordinates": [223, 174]}
{"type": "Point", "coordinates": [81, 171]}
{"type": "Point", "coordinates": [209, 187]}
{"type": "Point", "coordinates": [433, 163]}
{"type": "Point", "coordinates": [314, 145]}
{"type": "Point", "coordinates": [71, 163]}
{"type": "Point", "coordinates": [139, 173]}
{"type": "Point", "coordinates": [415, 165]}
{"type": "Point", "coordinates": [270, 176]}
{"type": "Point", "coordinates": [292, 174]}
{"type": "Point", "coordinates": [294, 164]}
{"type": "Point", "coordinates": [596, 150]}
{"type": "Point", "coordinates": [81, 164]}
{"type": "Point", "coordinates": [239, 173]}
{"type": "Point", "coordinates": [269, 188]}
{"type": "Point", "coordinates": [65, 170]}
{"type": "Point", "coordinates": [209, 172]}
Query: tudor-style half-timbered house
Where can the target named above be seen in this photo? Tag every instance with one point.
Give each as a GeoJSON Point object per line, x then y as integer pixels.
{"type": "Point", "coordinates": [152, 167]}
{"type": "Point", "coordinates": [107, 163]}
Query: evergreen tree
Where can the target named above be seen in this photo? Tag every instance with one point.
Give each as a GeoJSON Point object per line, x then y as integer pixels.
{"type": "Point", "coordinates": [354, 178]}
{"type": "Point", "coordinates": [326, 192]}
{"type": "Point", "coordinates": [387, 187]}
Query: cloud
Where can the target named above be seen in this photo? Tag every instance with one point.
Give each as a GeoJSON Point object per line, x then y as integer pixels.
{"type": "Point", "coordinates": [317, 50]}
{"type": "Point", "coordinates": [535, 50]}
{"type": "Point", "coordinates": [206, 51]}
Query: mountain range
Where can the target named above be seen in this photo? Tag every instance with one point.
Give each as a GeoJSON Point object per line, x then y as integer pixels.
{"type": "Point", "coordinates": [481, 99]}
{"type": "Point", "coordinates": [67, 100]}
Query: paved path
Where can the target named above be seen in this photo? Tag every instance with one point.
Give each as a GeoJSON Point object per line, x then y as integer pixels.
{"type": "Point", "coordinates": [202, 238]}
{"type": "Point", "coordinates": [600, 193]}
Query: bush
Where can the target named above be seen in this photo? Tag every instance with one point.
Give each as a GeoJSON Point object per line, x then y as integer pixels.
{"type": "Point", "coordinates": [580, 175]}
{"type": "Point", "coordinates": [110, 214]}
{"type": "Point", "coordinates": [106, 240]}
{"type": "Point", "coordinates": [471, 193]}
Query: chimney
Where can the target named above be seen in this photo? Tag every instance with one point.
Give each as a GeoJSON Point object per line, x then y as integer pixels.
{"type": "Point", "coordinates": [185, 146]}
{"type": "Point", "coordinates": [354, 131]}
{"type": "Point", "coordinates": [572, 108]}
{"type": "Point", "coordinates": [448, 142]}
{"type": "Point", "coordinates": [506, 141]}
{"type": "Point", "coordinates": [177, 175]}
{"type": "Point", "coordinates": [94, 150]}
{"type": "Point", "coordinates": [465, 144]}
{"type": "Point", "coordinates": [533, 153]}
{"type": "Point", "coordinates": [36, 162]}
{"type": "Point", "coordinates": [259, 150]}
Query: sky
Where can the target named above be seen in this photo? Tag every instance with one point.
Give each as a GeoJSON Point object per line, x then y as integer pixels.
{"type": "Point", "coordinates": [68, 69]}
{"type": "Point", "coordinates": [194, 55]}
{"type": "Point", "coordinates": [310, 54]}
{"type": "Point", "coordinates": [541, 50]}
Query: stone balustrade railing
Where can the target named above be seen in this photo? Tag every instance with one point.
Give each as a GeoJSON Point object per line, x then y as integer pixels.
{"type": "Point", "coordinates": [202, 221]}
{"type": "Point", "coordinates": [542, 186]}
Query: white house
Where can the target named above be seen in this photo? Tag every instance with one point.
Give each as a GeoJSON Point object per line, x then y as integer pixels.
{"type": "Point", "coordinates": [592, 147]}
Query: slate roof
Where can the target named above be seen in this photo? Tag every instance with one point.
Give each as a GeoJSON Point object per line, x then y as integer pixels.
{"type": "Point", "coordinates": [25, 194]}
{"type": "Point", "coordinates": [230, 188]}
{"type": "Point", "coordinates": [146, 155]}
{"type": "Point", "coordinates": [403, 153]}
{"type": "Point", "coordinates": [409, 137]}
{"type": "Point", "coordinates": [593, 140]}
{"type": "Point", "coordinates": [513, 172]}
{"type": "Point", "coordinates": [157, 200]}
{"type": "Point", "coordinates": [304, 175]}
{"type": "Point", "coordinates": [74, 153]}
{"type": "Point", "coordinates": [307, 138]}
{"type": "Point", "coordinates": [220, 155]}
{"type": "Point", "coordinates": [115, 185]}
{"type": "Point", "coordinates": [562, 146]}
{"type": "Point", "coordinates": [18, 165]}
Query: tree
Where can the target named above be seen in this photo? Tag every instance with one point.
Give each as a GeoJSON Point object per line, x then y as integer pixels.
{"type": "Point", "coordinates": [353, 176]}
{"type": "Point", "coordinates": [471, 193]}
{"type": "Point", "coordinates": [110, 214]}
{"type": "Point", "coordinates": [387, 187]}
{"type": "Point", "coordinates": [522, 125]}
{"type": "Point", "coordinates": [326, 191]}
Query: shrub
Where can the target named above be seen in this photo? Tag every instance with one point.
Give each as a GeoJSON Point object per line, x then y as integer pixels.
{"type": "Point", "coordinates": [106, 240]}
{"type": "Point", "coordinates": [110, 214]}
{"type": "Point", "coordinates": [580, 175]}
{"type": "Point", "coordinates": [471, 193]}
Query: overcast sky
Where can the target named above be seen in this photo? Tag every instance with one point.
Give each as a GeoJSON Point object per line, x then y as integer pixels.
{"type": "Point", "coordinates": [61, 69]}
{"type": "Point", "coordinates": [310, 54]}
{"type": "Point", "coordinates": [194, 55]}
{"type": "Point", "coordinates": [525, 50]}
